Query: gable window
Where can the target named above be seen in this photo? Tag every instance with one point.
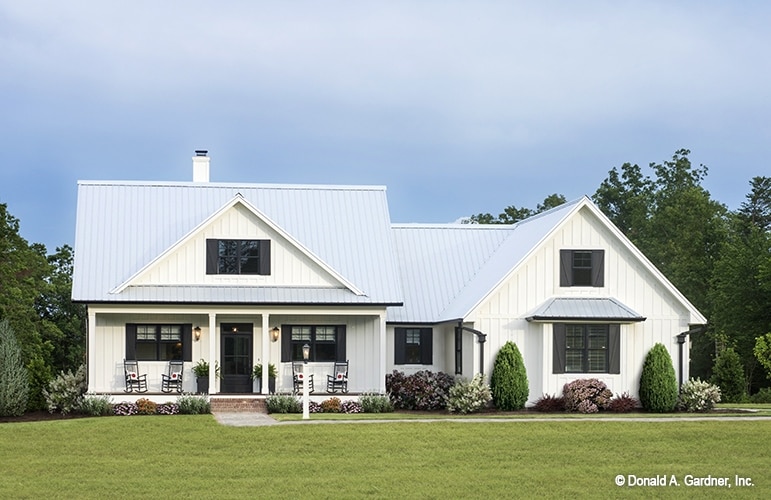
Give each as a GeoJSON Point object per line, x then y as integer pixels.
{"type": "Point", "coordinates": [153, 342]}
{"type": "Point", "coordinates": [587, 348]}
{"type": "Point", "coordinates": [413, 346]}
{"type": "Point", "coordinates": [238, 257]}
{"type": "Point", "coordinates": [326, 342]}
{"type": "Point", "coordinates": [582, 268]}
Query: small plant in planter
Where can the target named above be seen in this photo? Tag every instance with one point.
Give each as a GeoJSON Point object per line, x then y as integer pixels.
{"type": "Point", "coordinates": [201, 372]}
{"type": "Point", "coordinates": [272, 374]}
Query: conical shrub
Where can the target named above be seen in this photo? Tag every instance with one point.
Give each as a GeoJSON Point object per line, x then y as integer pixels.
{"type": "Point", "coordinates": [658, 383]}
{"type": "Point", "coordinates": [728, 374]}
{"type": "Point", "coordinates": [508, 383]}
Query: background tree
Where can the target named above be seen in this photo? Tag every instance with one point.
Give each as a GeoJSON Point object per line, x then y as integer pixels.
{"type": "Point", "coordinates": [728, 374]}
{"type": "Point", "coordinates": [740, 287]}
{"type": "Point", "coordinates": [14, 387]}
{"type": "Point", "coordinates": [512, 214]}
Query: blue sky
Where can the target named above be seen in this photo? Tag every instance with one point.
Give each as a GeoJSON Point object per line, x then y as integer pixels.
{"type": "Point", "coordinates": [457, 107]}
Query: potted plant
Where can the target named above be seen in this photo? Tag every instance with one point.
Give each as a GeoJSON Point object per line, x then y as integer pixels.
{"type": "Point", "coordinates": [201, 372]}
{"type": "Point", "coordinates": [272, 373]}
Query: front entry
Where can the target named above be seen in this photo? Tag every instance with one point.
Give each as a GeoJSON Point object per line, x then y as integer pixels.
{"type": "Point", "coordinates": [236, 359]}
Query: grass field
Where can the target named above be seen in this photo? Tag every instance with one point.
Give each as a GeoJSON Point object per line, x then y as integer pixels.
{"type": "Point", "coordinates": [194, 456]}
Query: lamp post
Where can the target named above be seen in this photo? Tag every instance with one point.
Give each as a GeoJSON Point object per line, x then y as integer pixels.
{"type": "Point", "coordinates": [306, 403]}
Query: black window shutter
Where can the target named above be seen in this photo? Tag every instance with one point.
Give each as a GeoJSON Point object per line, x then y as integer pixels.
{"type": "Point", "coordinates": [212, 255]}
{"type": "Point", "coordinates": [598, 267]}
{"type": "Point", "coordinates": [426, 347]}
{"type": "Point", "coordinates": [558, 362]}
{"type": "Point", "coordinates": [131, 341]}
{"type": "Point", "coordinates": [286, 344]}
{"type": "Point", "coordinates": [614, 348]}
{"type": "Point", "coordinates": [400, 340]}
{"type": "Point", "coordinates": [340, 347]}
{"type": "Point", "coordinates": [566, 268]}
{"type": "Point", "coordinates": [264, 251]}
{"type": "Point", "coordinates": [187, 342]}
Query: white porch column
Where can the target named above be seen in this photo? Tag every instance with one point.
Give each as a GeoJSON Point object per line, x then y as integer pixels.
{"type": "Point", "coordinates": [382, 356]}
{"type": "Point", "coordinates": [265, 337]}
{"type": "Point", "coordinates": [212, 353]}
{"type": "Point", "coordinates": [91, 350]}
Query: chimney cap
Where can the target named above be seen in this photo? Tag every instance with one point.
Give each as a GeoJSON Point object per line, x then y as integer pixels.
{"type": "Point", "coordinates": [201, 152]}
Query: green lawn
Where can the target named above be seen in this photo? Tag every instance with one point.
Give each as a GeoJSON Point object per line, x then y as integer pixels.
{"type": "Point", "coordinates": [193, 456]}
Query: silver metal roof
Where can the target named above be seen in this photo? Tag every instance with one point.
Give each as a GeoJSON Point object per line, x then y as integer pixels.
{"type": "Point", "coordinates": [446, 270]}
{"type": "Point", "coordinates": [584, 308]}
{"type": "Point", "coordinates": [123, 226]}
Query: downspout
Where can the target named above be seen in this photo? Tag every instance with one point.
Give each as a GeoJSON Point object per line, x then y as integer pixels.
{"type": "Point", "coordinates": [680, 341]}
{"type": "Point", "coordinates": [481, 338]}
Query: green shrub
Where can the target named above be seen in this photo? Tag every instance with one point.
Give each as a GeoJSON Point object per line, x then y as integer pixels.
{"type": "Point", "coordinates": [65, 392]}
{"type": "Point", "coordinates": [469, 396]}
{"type": "Point", "coordinates": [190, 404]}
{"type": "Point", "coordinates": [14, 380]}
{"type": "Point", "coordinates": [698, 395]}
{"type": "Point", "coordinates": [283, 403]}
{"type": "Point", "coordinates": [375, 403]}
{"type": "Point", "coordinates": [728, 374]}
{"type": "Point", "coordinates": [508, 383]}
{"type": "Point", "coordinates": [548, 403]}
{"type": "Point", "coordinates": [587, 395]}
{"type": "Point", "coordinates": [762, 396]}
{"type": "Point", "coordinates": [39, 377]}
{"type": "Point", "coordinates": [658, 383]}
{"type": "Point", "coordinates": [96, 405]}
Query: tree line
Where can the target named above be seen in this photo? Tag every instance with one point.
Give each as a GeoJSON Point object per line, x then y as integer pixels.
{"type": "Point", "coordinates": [720, 259]}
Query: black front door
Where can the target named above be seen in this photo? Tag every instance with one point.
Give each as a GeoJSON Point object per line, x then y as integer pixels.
{"type": "Point", "coordinates": [236, 358]}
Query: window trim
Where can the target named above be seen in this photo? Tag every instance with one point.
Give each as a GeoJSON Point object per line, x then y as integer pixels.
{"type": "Point", "coordinates": [559, 357]}
{"type": "Point", "coordinates": [213, 257]}
{"type": "Point", "coordinates": [186, 339]}
{"type": "Point", "coordinates": [426, 345]}
{"type": "Point", "coordinates": [286, 342]}
{"type": "Point", "coordinates": [567, 269]}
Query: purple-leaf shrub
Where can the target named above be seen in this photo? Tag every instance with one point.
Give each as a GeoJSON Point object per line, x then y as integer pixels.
{"type": "Point", "coordinates": [423, 390]}
{"type": "Point", "coordinates": [588, 395]}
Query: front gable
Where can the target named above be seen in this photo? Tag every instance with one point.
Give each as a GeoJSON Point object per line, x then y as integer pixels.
{"type": "Point", "coordinates": [185, 263]}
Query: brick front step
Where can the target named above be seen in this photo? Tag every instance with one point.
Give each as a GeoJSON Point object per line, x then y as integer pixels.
{"type": "Point", "coordinates": [219, 404]}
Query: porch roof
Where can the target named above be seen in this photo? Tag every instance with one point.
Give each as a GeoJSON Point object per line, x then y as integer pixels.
{"type": "Point", "coordinates": [584, 308]}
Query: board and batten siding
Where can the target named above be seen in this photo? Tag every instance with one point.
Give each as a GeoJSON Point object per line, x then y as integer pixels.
{"type": "Point", "coordinates": [502, 314]}
{"type": "Point", "coordinates": [186, 265]}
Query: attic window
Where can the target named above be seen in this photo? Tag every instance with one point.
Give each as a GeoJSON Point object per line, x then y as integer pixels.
{"type": "Point", "coordinates": [582, 268]}
{"type": "Point", "coordinates": [238, 257]}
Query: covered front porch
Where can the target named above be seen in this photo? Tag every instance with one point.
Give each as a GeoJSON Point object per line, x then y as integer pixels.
{"type": "Point", "coordinates": [232, 340]}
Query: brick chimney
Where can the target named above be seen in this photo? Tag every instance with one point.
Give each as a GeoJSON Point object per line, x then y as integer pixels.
{"type": "Point", "coordinates": [200, 166]}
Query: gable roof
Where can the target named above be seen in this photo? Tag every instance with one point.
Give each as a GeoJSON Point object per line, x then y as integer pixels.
{"type": "Point", "coordinates": [466, 263]}
{"type": "Point", "coordinates": [462, 263]}
{"type": "Point", "coordinates": [123, 227]}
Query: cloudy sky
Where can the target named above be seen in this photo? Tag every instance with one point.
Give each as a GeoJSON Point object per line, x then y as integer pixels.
{"type": "Point", "coordinates": [457, 107]}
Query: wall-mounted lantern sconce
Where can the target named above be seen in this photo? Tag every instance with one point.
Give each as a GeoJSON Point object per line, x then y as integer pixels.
{"type": "Point", "coordinates": [274, 332]}
{"type": "Point", "coordinates": [197, 333]}
{"type": "Point", "coordinates": [306, 352]}
{"type": "Point", "coordinates": [235, 329]}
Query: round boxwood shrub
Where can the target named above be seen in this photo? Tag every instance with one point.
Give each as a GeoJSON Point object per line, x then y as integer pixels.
{"type": "Point", "coordinates": [658, 383]}
{"type": "Point", "coordinates": [728, 374]}
{"type": "Point", "coordinates": [508, 383]}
